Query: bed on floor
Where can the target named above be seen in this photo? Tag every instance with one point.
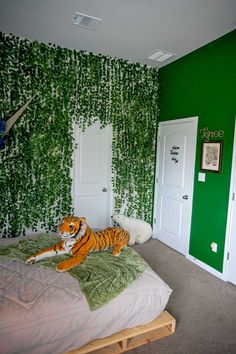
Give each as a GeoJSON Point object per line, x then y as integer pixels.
{"type": "Point", "coordinates": [43, 311]}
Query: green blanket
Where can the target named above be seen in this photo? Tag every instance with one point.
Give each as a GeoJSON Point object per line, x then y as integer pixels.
{"type": "Point", "coordinates": [101, 276]}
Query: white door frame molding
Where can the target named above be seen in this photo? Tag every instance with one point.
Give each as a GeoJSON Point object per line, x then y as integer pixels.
{"type": "Point", "coordinates": [170, 122]}
{"type": "Point", "coordinates": [109, 192]}
{"type": "Point", "coordinates": [230, 215]}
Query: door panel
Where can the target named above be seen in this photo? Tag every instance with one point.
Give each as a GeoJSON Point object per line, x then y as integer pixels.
{"type": "Point", "coordinates": [90, 150]}
{"type": "Point", "coordinates": [174, 208]}
{"type": "Point", "coordinates": [92, 175]}
{"type": "Point", "coordinates": [173, 173]}
{"type": "Point", "coordinates": [177, 145]}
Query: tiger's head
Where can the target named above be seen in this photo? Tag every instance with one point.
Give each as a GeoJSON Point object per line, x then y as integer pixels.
{"type": "Point", "coordinates": [72, 227]}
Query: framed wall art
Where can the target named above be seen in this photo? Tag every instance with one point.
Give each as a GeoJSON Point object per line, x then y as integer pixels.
{"type": "Point", "coordinates": [211, 155]}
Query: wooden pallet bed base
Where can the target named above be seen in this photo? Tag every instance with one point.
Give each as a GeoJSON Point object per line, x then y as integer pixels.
{"type": "Point", "coordinates": [127, 339]}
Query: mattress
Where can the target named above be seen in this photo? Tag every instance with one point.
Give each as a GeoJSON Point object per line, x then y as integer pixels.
{"type": "Point", "coordinates": [43, 311]}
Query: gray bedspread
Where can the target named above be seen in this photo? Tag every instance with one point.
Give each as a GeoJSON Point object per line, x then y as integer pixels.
{"type": "Point", "coordinates": [44, 312]}
{"type": "Point", "coordinates": [102, 276]}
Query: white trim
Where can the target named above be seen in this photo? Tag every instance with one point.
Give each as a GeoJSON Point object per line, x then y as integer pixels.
{"type": "Point", "coordinates": [230, 208]}
{"type": "Point", "coordinates": [73, 169]}
{"type": "Point", "coordinates": [205, 266]}
{"type": "Point", "coordinates": [156, 183]}
{"type": "Point", "coordinates": [174, 121]}
{"type": "Point", "coordinates": [179, 121]}
{"type": "Point", "coordinates": [195, 121]}
{"type": "Point", "coordinates": [109, 183]}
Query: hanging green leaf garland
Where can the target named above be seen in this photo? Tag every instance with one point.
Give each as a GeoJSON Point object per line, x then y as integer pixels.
{"type": "Point", "coordinates": [71, 86]}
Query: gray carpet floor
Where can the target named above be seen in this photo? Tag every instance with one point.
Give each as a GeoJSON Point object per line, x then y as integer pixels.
{"type": "Point", "coordinates": [204, 306]}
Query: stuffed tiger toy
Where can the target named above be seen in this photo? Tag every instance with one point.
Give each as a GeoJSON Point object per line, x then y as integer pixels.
{"type": "Point", "coordinates": [78, 240]}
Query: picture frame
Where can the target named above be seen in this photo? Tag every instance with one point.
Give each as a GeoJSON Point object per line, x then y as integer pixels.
{"type": "Point", "coordinates": [211, 155]}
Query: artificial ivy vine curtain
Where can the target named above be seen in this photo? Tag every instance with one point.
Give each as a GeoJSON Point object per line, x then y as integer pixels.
{"type": "Point", "coordinates": [71, 86]}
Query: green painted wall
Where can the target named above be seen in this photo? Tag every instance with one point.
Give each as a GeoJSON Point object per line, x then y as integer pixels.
{"type": "Point", "coordinates": [203, 84]}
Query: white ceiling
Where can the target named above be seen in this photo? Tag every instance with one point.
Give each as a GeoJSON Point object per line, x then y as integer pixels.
{"type": "Point", "coordinates": [130, 29]}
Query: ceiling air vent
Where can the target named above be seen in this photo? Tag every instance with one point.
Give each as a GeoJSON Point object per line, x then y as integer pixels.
{"type": "Point", "coordinates": [86, 21]}
{"type": "Point", "coordinates": [160, 56]}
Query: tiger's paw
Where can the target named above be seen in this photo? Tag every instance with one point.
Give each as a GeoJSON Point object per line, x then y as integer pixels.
{"type": "Point", "coordinates": [62, 267]}
{"type": "Point", "coordinates": [31, 260]}
{"type": "Point", "coordinates": [116, 252]}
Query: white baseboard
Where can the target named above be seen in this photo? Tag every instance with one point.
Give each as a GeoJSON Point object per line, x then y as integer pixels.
{"type": "Point", "coordinates": [205, 266]}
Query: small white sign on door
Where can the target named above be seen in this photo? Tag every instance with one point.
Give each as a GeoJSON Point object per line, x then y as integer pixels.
{"type": "Point", "coordinates": [174, 153]}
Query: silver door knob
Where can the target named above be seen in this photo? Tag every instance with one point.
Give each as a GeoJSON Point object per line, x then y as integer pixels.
{"type": "Point", "coordinates": [185, 197]}
{"type": "Point", "coordinates": [104, 189]}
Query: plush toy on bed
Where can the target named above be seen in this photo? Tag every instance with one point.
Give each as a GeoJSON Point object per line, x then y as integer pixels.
{"type": "Point", "coordinates": [78, 240]}
{"type": "Point", "coordinates": [139, 230]}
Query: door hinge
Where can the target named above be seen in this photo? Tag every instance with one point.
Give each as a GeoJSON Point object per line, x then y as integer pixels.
{"type": "Point", "coordinates": [233, 197]}
{"type": "Point", "coordinates": [227, 256]}
{"type": "Point", "coordinates": [157, 180]}
{"type": "Point", "coordinates": [155, 220]}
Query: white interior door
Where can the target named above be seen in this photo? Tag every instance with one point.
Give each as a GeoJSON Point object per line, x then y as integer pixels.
{"type": "Point", "coordinates": [176, 162]}
{"type": "Point", "coordinates": [230, 256]}
{"type": "Point", "coordinates": [92, 175]}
